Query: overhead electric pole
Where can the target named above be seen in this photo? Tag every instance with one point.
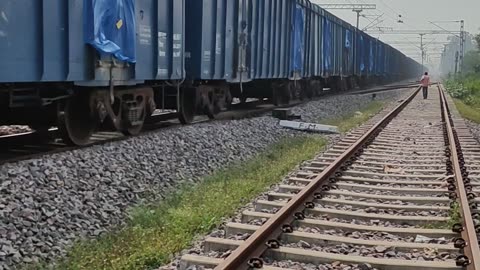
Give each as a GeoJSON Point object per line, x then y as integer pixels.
{"type": "Point", "coordinates": [462, 43]}
{"type": "Point", "coordinates": [459, 55]}
{"type": "Point", "coordinates": [456, 62]}
{"type": "Point", "coordinates": [358, 8]}
{"type": "Point", "coordinates": [422, 48]}
{"type": "Point", "coordinates": [442, 31]}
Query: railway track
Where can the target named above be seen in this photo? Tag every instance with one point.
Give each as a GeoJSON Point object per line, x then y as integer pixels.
{"type": "Point", "coordinates": [27, 145]}
{"type": "Point", "coordinates": [402, 193]}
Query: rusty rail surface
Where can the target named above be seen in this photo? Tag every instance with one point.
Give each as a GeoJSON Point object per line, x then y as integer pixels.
{"type": "Point", "coordinates": [467, 228]}
{"type": "Point", "coordinates": [247, 255]}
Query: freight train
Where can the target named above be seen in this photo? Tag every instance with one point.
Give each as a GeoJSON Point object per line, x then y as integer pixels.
{"type": "Point", "coordinates": [85, 65]}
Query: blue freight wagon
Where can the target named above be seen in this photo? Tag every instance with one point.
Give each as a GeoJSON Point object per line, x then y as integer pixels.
{"type": "Point", "coordinates": [78, 64]}
{"type": "Point", "coordinates": [277, 49]}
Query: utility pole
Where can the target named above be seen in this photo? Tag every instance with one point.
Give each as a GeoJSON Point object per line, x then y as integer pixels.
{"type": "Point", "coordinates": [373, 23]}
{"type": "Point", "coordinates": [462, 43]}
{"type": "Point", "coordinates": [459, 56]}
{"type": "Point", "coordinates": [358, 8]}
{"type": "Point", "coordinates": [422, 33]}
{"type": "Point", "coordinates": [421, 47]}
{"type": "Point", "coordinates": [456, 62]}
{"type": "Point", "coordinates": [358, 11]}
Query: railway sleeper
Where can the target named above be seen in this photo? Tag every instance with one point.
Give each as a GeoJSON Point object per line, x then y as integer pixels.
{"type": "Point", "coordinates": [322, 238]}
{"type": "Point", "coordinates": [360, 187]}
{"type": "Point", "coordinates": [305, 181]}
{"type": "Point", "coordinates": [270, 205]}
{"type": "Point", "coordinates": [234, 228]}
{"type": "Point", "coordinates": [411, 199]}
{"type": "Point", "coordinates": [333, 213]}
{"type": "Point", "coordinates": [319, 257]}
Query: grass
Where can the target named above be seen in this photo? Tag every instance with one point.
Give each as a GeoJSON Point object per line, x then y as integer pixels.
{"type": "Point", "coordinates": [466, 111]}
{"type": "Point", "coordinates": [352, 120]}
{"type": "Point", "coordinates": [466, 93]}
{"type": "Point", "coordinates": [454, 217]}
{"type": "Point", "coordinates": [155, 232]}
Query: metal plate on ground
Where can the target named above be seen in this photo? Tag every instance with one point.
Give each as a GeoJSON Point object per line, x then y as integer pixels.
{"type": "Point", "coordinates": [308, 126]}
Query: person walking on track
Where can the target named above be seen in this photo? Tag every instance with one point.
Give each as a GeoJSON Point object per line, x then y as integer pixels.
{"type": "Point", "coordinates": [425, 81]}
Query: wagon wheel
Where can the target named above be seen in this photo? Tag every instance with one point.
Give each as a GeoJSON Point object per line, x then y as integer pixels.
{"type": "Point", "coordinates": [295, 90]}
{"type": "Point", "coordinates": [186, 103]}
{"type": "Point", "coordinates": [275, 96]}
{"type": "Point", "coordinates": [309, 90]}
{"type": "Point", "coordinates": [209, 110]}
{"type": "Point", "coordinates": [75, 122]}
{"type": "Point", "coordinates": [41, 131]}
{"type": "Point", "coordinates": [285, 95]}
{"type": "Point", "coordinates": [228, 100]}
{"type": "Point", "coordinates": [212, 108]}
{"type": "Point", "coordinates": [136, 129]}
{"type": "Point", "coordinates": [243, 99]}
{"type": "Point", "coordinates": [319, 89]}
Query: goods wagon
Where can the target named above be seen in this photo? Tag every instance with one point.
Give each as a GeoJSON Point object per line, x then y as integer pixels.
{"type": "Point", "coordinates": [280, 50]}
{"type": "Point", "coordinates": [81, 64]}
{"type": "Point", "coordinates": [244, 48]}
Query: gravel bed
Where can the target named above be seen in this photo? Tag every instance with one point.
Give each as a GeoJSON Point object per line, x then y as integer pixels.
{"type": "Point", "coordinates": [474, 129]}
{"type": "Point", "coordinates": [371, 222]}
{"type": "Point", "coordinates": [409, 155]}
{"type": "Point", "coordinates": [397, 202]}
{"type": "Point", "coordinates": [15, 129]}
{"type": "Point", "coordinates": [49, 202]}
{"type": "Point", "coordinates": [437, 177]}
{"type": "Point", "coordinates": [256, 221]}
{"type": "Point", "coordinates": [425, 164]}
{"type": "Point", "coordinates": [240, 237]}
{"type": "Point", "coordinates": [394, 185]}
{"type": "Point", "coordinates": [382, 170]}
{"type": "Point", "coordinates": [374, 236]}
{"type": "Point", "coordinates": [392, 193]}
{"type": "Point", "coordinates": [195, 267]}
{"type": "Point", "coordinates": [309, 266]}
{"type": "Point", "coordinates": [403, 159]}
{"type": "Point", "coordinates": [295, 183]}
{"type": "Point", "coordinates": [376, 252]}
{"type": "Point", "coordinates": [374, 210]}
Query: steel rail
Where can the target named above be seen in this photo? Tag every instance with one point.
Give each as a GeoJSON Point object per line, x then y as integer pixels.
{"type": "Point", "coordinates": [250, 251]}
{"type": "Point", "coordinates": [471, 250]}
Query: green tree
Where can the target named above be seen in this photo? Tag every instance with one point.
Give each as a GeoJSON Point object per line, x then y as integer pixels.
{"type": "Point", "coordinates": [477, 39]}
{"type": "Point", "coordinates": [471, 62]}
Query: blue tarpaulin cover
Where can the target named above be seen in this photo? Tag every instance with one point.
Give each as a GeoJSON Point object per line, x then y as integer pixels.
{"type": "Point", "coordinates": [380, 57]}
{"type": "Point", "coordinates": [362, 54]}
{"type": "Point", "coordinates": [348, 47]}
{"type": "Point", "coordinates": [327, 46]}
{"type": "Point", "coordinates": [298, 40]}
{"type": "Point", "coordinates": [348, 37]}
{"type": "Point", "coordinates": [109, 26]}
{"type": "Point", "coordinates": [371, 58]}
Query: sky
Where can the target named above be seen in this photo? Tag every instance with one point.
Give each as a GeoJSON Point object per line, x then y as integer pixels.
{"type": "Point", "coordinates": [416, 15]}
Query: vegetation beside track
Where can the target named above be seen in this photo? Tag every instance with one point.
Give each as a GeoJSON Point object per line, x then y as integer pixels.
{"type": "Point", "coordinates": [465, 91]}
{"type": "Point", "coordinates": [348, 121]}
{"type": "Point", "coordinates": [155, 232]}
{"type": "Point", "coordinates": [454, 218]}
{"type": "Point", "coordinates": [465, 87]}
